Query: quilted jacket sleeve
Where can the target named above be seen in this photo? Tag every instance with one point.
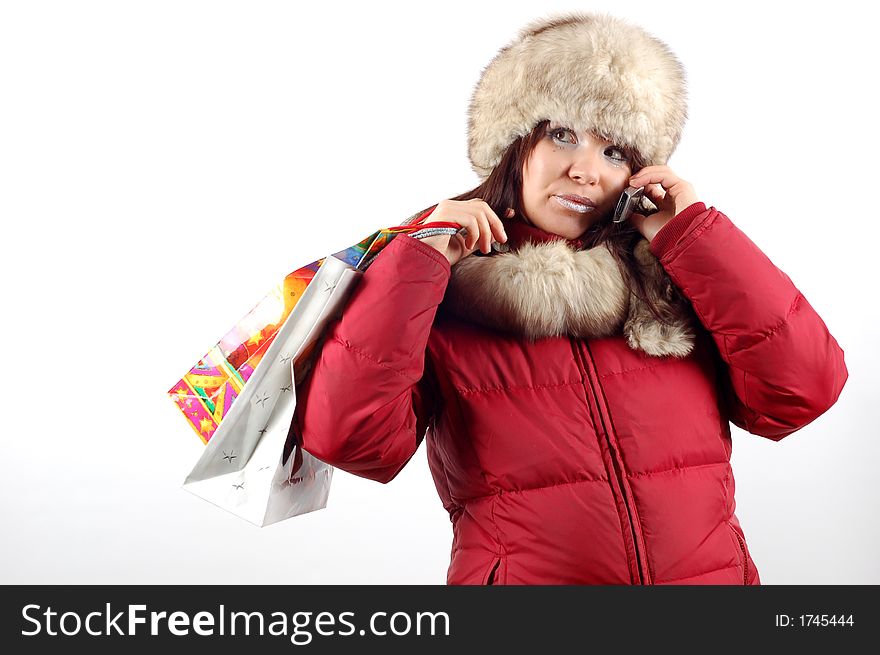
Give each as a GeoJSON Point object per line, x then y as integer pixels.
{"type": "Point", "coordinates": [369, 398]}
{"type": "Point", "coordinates": [783, 367]}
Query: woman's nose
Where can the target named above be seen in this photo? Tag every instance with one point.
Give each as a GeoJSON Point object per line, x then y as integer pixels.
{"type": "Point", "coordinates": [585, 167]}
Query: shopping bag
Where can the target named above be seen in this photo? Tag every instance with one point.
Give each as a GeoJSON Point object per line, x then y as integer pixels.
{"type": "Point", "coordinates": [240, 397]}
{"type": "Point", "coordinates": [252, 466]}
{"type": "Point", "coordinates": [207, 392]}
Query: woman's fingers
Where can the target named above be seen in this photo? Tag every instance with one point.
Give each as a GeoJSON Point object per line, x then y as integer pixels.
{"type": "Point", "coordinates": [480, 225]}
{"type": "Point", "coordinates": [655, 193]}
{"type": "Point", "coordinates": [495, 227]}
{"type": "Point", "coordinates": [667, 191]}
{"type": "Point", "coordinates": [654, 176]}
{"type": "Point", "coordinates": [476, 209]}
{"type": "Point", "coordinates": [663, 185]}
{"type": "Point", "coordinates": [502, 235]}
{"type": "Point", "coordinates": [661, 175]}
{"type": "Point", "coordinates": [470, 230]}
{"type": "Point", "coordinates": [487, 218]}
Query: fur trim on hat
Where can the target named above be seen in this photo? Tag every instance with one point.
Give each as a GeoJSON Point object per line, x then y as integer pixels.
{"type": "Point", "coordinates": [589, 71]}
{"type": "Point", "coordinates": [549, 289]}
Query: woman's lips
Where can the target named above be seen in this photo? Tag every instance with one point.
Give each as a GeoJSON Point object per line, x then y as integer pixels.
{"type": "Point", "coordinates": [578, 207]}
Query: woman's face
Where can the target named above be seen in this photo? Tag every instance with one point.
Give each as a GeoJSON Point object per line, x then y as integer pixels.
{"type": "Point", "coordinates": [572, 163]}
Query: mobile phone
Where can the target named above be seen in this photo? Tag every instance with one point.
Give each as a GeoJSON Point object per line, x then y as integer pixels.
{"type": "Point", "coordinates": [629, 200]}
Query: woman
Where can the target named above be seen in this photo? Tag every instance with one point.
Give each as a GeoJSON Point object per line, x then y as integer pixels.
{"type": "Point", "coordinates": [575, 381]}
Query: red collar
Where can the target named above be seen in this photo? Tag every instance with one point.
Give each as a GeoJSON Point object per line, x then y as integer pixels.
{"type": "Point", "coordinates": [519, 232]}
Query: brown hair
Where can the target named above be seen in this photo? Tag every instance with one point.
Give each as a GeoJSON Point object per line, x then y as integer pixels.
{"type": "Point", "coordinates": [503, 189]}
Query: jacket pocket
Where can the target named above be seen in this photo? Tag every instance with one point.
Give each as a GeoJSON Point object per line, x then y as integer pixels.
{"type": "Point", "coordinates": [743, 554]}
{"type": "Point", "coordinates": [491, 577]}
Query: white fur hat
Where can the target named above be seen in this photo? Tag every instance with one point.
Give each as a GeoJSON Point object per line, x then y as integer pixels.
{"type": "Point", "coordinates": [590, 71]}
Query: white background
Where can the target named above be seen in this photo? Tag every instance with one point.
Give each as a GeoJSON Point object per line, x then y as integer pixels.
{"type": "Point", "coordinates": [164, 164]}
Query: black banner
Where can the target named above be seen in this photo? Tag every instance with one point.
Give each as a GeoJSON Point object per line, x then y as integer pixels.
{"type": "Point", "coordinates": [431, 619]}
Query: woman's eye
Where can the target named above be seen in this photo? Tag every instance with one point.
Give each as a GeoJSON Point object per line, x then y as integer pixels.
{"type": "Point", "coordinates": [616, 153]}
{"type": "Point", "coordinates": [560, 130]}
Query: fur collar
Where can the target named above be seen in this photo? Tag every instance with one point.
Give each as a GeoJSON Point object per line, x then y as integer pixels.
{"type": "Point", "coordinates": [545, 285]}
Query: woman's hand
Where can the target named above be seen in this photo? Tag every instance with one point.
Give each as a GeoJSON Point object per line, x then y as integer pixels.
{"type": "Point", "coordinates": [482, 227]}
{"type": "Point", "coordinates": [665, 189]}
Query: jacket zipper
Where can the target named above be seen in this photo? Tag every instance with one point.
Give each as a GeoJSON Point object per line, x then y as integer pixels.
{"type": "Point", "coordinates": [742, 547]}
{"type": "Point", "coordinates": [593, 378]}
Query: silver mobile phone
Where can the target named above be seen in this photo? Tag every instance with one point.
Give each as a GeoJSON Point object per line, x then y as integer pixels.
{"type": "Point", "coordinates": [629, 200]}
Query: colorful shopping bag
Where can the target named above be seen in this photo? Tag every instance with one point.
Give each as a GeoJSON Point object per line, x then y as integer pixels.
{"type": "Point", "coordinates": [252, 466]}
{"type": "Point", "coordinates": [241, 395]}
{"type": "Point", "coordinates": [207, 392]}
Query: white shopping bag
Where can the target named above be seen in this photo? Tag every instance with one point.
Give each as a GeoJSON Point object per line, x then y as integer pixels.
{"type": "Point", "coordinates": [244, 468]}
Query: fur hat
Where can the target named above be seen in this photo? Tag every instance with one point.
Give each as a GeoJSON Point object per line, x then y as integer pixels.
{"type": "Point", "coordinates": [589, 71]}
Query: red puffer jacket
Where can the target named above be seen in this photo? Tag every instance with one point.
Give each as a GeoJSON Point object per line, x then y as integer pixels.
{"type": "Point", "coordinates": [569, 460]}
